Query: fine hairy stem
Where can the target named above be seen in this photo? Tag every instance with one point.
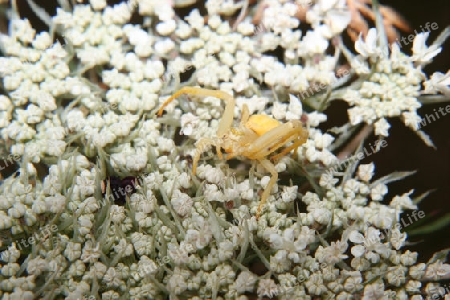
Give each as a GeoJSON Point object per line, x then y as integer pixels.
{"type": "Point", "coordinates": [433, 99]}
{"type": "Point", "coordinates": [353, 144]}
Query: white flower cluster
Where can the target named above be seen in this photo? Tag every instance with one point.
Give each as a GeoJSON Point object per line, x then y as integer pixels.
{"type": "Point", "coordinates": [392, 88]}
{"type": "Point", "coordinates": [35, 73]}
{"type": "Point", "coordinates": [83, 113]}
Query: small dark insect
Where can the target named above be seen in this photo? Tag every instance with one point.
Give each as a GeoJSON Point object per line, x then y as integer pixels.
{"type": "Point", "coordinates": [119, 188]}
{"type": "Point", "coordinates": [229, 204]}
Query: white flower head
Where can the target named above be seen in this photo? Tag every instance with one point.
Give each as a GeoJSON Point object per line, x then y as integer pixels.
{"type": "Point", "coordinates": [382, 127]}
{"type": "Point", "coordinates": [177, 283]}
{"type": "Point", "coordinates": [365, 172]}
{"type": "Point", "coordinates": [98, 4]}
{"type": "Point", "coordinates": [438, 82]}
{"type": "Point", "coordinates": [368, 48]}
{"type": "Point", "coordinates": [195, 19]}
{"type": "Point", "coordinates": [245, 282]}
{"type": "Point", "coordinates": [312, 43]}
{"type": "Point", "coordinates": [280, 16]}
{"type": "Point", "coordinates": [323, 141]}
{"type": "Point", "coordinates": [112, 119]}
{"type": "Point", "coordinates": [56, 203]}
{"type": "Point", "coordinates": [369, 245]}
{"type": "Point", "coordinates": [403, 202]}
{"type": "Point", "coordinates": [337, 20]}
{"type": "Point", "coordinates": [289, 194]}
{"type": "Point", "coordinates": [279, 262]}
{"type": "Point", "coordinates": [91, 253]}
{"type": "Point", "coordinates": [398, 238]}
{"type": "Point", "coordinates": [166, 28]}
{"type": "Point", "coordinates": [315, 118]}
{"type": "Point", "coordinates": [437, 270]}
{"type": "Point", "coordinates": [327, 181]}
{"type": "Point", "coordinates": [181, 203]}
{"type": "Point", "coordinates": [279, 110]}
{"type": "Point", "coordinates": [295, 110]}
{"type": "Point", "coordinates": [411, 119]}
{"type": "Point", "coordinates": [377, 193]}
{"type": "Point", "coordinates": [189, 123]}
{"type": "Point", "coordinates": [422, 54]}
{"type": "Point", "coordinates": [267, 287]}
{"type": "Point", "coordinates": [383, 218]}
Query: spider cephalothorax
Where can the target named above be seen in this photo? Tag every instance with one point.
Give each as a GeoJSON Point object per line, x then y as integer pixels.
{"type": "Point", "coordinates": [257, 137]}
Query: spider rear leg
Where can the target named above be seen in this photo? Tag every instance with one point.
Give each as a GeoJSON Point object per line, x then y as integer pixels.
{"type": "Point", "coordinates": [294, 146]}
{"type": "Point", "coordinates": [272, 140]}
{"type": "Point", "coordinates": [245, 115]}
{"type": "Point", "coordinates": [271, 168]}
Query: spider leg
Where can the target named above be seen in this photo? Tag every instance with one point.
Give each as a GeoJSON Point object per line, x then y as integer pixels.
{"type": "Point", "coordinates": [201, 146]}
{"type": "Point", "coordinates": [245, 115]}
{"type": "Point", "coordinates": [273, 140]}
{"type": "Point", "coordinates": [276, 146]}
{"type": "Point", "coordinates": [219, 152]}
{"type": "Point", "coordinates": [231, 155]}
{"type": "Point", "coordinates": [178, 93]}
{"type": "Point", "coordinates": [227, 118]}
{"type": "Point", "coordinates": [295, 146]}
{"type": "Point", "coordinates": [271, 168]}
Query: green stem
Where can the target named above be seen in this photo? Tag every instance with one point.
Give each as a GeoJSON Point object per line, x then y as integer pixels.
{"type": "Point", "coordinates": [259, 253]}
{"type": "Point", "coordinates": [433, 99]}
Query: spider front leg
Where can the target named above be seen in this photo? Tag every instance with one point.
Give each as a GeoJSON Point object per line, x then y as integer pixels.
{"type": "Point", "coordinates": [202, 145]}
{"type": "Point", "coordinates": [227, 118]}
{"type": "Point", "coordinates": [271, 168]}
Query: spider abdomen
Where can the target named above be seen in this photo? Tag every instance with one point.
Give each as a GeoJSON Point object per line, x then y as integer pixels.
{"type": "Point", "coordinates": [261, 124]}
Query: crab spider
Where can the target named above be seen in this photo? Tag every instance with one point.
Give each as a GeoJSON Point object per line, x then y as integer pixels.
{"type": "Point", "coordinates": [257, 136]}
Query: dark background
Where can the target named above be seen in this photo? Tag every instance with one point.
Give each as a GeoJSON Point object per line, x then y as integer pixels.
{"type": "Point", "coordinates": [405, 151]}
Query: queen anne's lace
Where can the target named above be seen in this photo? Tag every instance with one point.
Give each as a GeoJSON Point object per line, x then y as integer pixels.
{"type": "Point", "coordinates": [74, 114]}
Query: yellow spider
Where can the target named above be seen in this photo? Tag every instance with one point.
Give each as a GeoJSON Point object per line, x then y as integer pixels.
{"type": "Point", "coordinates": [256, 137]}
